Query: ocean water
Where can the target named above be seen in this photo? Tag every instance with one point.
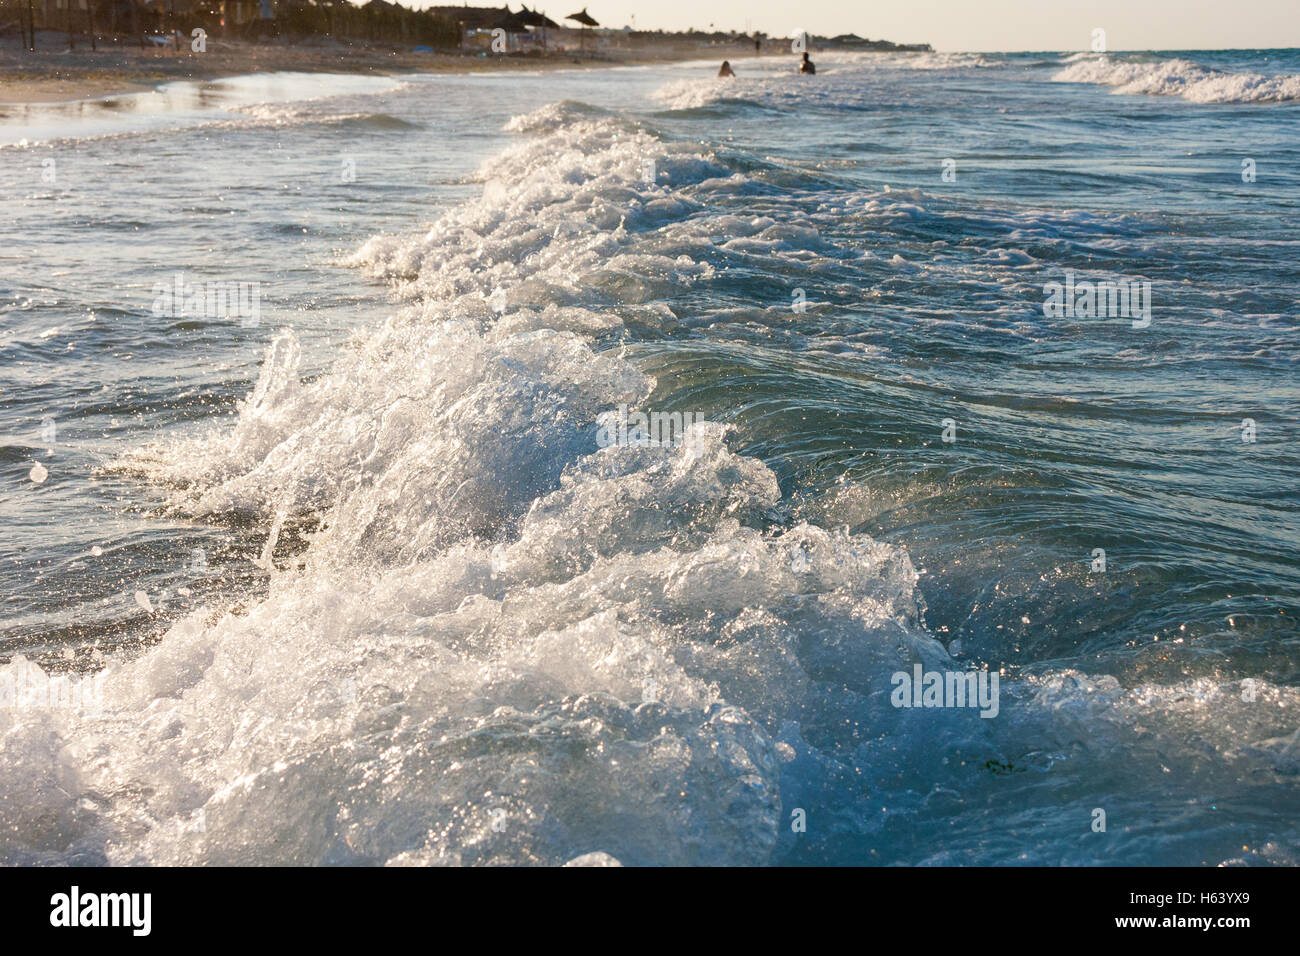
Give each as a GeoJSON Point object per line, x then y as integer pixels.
{"type": "Point", "coordinates": [369, 562]}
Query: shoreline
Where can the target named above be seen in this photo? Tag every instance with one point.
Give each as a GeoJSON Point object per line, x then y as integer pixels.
{"type": "Point", "coordinates": [55, 74]}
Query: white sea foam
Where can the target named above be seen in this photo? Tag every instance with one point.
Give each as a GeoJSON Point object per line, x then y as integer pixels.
{"type": "Point", "coordinates": [239, 102]}
{"type": "Point", "coordinates": [502, 644]}
{"type": "Point", "coordinates": [1178, 77]}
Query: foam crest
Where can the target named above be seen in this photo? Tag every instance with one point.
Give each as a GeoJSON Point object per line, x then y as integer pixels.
{"type": "Point", "coordinates": [950, 61]}
{"type": "Point", "coordinates": [568, 684]}
{"type": "Point", "coordinates": [1178, 77]}
{"type": "Point", "coordinates": [555, 208]}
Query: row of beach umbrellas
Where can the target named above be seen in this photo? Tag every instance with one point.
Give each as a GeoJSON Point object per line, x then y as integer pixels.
{"type": "Point", "coordinates": [583, 17]}
{"type": "Point", "coordinates": [537, 20]}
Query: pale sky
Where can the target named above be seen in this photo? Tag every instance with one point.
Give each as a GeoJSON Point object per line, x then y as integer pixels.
{"type": "Point", "coordinates": [970, 24]}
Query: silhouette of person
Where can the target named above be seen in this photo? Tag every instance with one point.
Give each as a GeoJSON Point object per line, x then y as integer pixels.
{"type": "Point", "coordinates": [726, 69]}
{"type": "Point", "coordinates": [807, 65]}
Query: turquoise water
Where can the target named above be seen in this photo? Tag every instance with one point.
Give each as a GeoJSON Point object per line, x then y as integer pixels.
{"type": "Point", "coordinates": [360, 571]}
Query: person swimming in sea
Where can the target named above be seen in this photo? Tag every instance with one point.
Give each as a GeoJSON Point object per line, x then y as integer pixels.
{"type": "Point", "coordinates": [806, 66]}
{"type": "Point", "coordinates": [725, 69]}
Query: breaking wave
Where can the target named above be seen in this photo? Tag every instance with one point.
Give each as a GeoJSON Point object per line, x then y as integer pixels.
{"type": "Point", "coordinates": [1178, 77]}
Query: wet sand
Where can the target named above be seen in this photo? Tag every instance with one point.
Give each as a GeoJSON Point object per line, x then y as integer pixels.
{"type": "Point", "coordinates": [54, 73]}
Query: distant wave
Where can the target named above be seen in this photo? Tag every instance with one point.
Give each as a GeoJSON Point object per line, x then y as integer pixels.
{"type": "Point", "coordinates": [1178, 77]}
{"type": "Point", "coordinates": [763, 87]}
{"type": "Point", "coordinates": [697, 93]}
{"type": "Point", "coordinates": [300, 114]}
{"type": "Point", "coordinates": [949, 61]}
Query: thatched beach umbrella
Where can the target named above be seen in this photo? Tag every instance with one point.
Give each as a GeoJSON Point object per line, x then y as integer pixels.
{"type": "Point", "coordinates": [535, 19]}
{"type": "Point", "coordinates": [585, 18]}
{"type": "Point", "coordinates": [504, 19]}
